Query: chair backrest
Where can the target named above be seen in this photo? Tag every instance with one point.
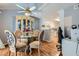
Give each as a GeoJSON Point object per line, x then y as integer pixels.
{"type": "Point", "coordinates": [36, 32]}
{"type": "Point", "coordinates": [18, 33]}
{"type": "Point", "coordinates": [10, 38]}
{"type": "Point", "coordinates": [41, 34]}
{"type": "Point", "coordinates": [47, 35]}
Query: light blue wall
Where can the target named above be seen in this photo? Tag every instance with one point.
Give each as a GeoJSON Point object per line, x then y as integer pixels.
{"type": "Point", "coordinates": [8, 21]}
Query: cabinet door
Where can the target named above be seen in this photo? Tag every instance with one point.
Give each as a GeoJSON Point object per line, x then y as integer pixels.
{"type": "Point", "coordinates": [24, 24]}
{"type": "Point", "coordinates": [18, 23]}
{"type": "Point", "coordinates": [21, 23]}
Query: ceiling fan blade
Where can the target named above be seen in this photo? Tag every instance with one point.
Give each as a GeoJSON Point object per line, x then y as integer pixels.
{"type": "Point", "coordinates": [21, 11]}
{"type": "Point", "coordinates": [36, 14]}
{"type": "Point", "coordinates": [41, 7]}
{"type": "Point", "coordinates": [20, 6]}
{"type": "Point", "coordinates": [32, 8]}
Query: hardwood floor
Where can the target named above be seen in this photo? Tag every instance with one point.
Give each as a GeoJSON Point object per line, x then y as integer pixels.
{"type": "Point", "coordinates": [46, 49]}
{"type": "Point", "coordinates": [4, 52]}
{"type": "Point", "coordinates": [49, 48]}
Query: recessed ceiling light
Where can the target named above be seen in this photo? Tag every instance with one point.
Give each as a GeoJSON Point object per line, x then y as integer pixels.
{"type": "Point", "coordinates": [57, 20]}
{"type": "Point", "coordinates": [27, 14]}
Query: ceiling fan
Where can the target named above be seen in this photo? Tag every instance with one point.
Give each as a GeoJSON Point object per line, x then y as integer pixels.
{"type": "Point", "coordinates": [28, 11]}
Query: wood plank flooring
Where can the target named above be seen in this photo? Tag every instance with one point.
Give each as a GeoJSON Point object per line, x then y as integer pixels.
{"type": "Point", "coordinates": [46, 49]}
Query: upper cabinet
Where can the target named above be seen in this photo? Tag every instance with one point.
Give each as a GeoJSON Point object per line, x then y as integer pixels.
{"type": "Point", "coordinates": [24, 23]}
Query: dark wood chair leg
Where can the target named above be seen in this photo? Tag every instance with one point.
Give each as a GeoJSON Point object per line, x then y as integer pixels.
{"type": "Point", "coordinates": [9, 53]}
{"type": "Point", "coordinates": [15, 53]}
{"type": "Point", "coordinates": [60, 53]}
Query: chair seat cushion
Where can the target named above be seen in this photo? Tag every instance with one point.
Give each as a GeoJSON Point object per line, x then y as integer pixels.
{"type": "Point", "coordinates": [34, 44]}
{"type": "Point", "coordinates": [20, 44]}
{"type": "Point", "coordinates": [24, 40]}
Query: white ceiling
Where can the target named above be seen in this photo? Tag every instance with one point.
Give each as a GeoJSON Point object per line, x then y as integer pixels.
{"type": "Point", "coordinates": [54, 6]}
{"type": "Point", "coordinates": [12, 6]}
{"type": "Point", "coordinates": [48, 10]}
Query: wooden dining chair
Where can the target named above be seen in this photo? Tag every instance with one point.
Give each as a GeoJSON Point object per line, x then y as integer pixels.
{"type": "Point", "coordinates": [36, 44]}
{"type": "Point", "coordinates": [18, 34]}
{"type": "Point", "coordinates": [12, 42]}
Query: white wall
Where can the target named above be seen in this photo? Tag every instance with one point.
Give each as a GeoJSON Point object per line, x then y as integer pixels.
{"type": "Point", "coordinates": [51, 25]}
{"type": "Point", "coordinates": [74, 13]}
{"type": "Point", "coordinates": [47, 22]}
{"type": "Point", "coordinates": [67, 26]}
{"type": "Point", "coordinates": [61, 17]}
{"type": "Point", "coordinates": [74, 20]}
